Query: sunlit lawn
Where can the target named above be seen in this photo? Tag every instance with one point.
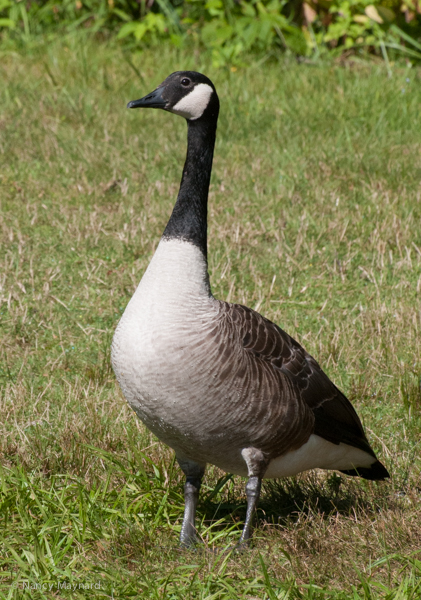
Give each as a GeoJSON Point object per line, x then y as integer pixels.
{"type": "Point", "coordinates": [314, 217]}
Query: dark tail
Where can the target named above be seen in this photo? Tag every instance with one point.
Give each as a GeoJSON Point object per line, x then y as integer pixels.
{"type": "Point", "coordinates": [376, 472]}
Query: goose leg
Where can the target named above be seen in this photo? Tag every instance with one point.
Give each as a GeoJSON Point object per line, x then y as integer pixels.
{"type": "Point", "coordinates": [194, 474]}
{"type": "Point", "coordinates": [256, 465]}
{"type": "Point", "coordinates": [253, 487]}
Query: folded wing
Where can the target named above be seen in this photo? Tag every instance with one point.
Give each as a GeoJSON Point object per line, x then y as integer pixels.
{"type": "Point", "coordinates": [335, 419]}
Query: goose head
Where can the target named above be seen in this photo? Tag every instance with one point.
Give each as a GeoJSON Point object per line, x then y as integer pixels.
{"type": "Point", "coordinates": [186, 93]}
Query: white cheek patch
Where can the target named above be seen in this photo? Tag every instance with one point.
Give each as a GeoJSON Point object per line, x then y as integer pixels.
{"type": "Point", "coordinates": [194, 104]}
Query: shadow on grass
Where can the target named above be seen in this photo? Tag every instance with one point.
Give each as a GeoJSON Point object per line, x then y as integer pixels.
{"type": "Point", "coordinates": [283, 502]}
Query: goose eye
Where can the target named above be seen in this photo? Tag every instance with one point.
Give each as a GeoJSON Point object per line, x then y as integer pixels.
{"type": "Point", "coordinates": [185, 81]}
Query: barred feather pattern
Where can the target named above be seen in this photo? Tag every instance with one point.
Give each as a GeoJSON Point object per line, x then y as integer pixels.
{"type": "Point", "coordinates": [335, 419]}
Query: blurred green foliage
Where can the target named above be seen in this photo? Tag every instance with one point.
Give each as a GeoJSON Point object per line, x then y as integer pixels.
{"type": "Point", "coordinates": [230, 29]}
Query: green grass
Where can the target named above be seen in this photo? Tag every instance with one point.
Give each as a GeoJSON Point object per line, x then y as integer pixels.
{"type": "Point", "coordinates": [315, 215]}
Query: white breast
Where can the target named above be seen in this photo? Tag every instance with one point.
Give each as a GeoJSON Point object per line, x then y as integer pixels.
{"type": "Point", "coordinates": [157, 345]}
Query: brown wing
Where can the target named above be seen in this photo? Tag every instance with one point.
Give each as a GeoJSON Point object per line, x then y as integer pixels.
{"type": "Point", "coordinates": [334, 416]}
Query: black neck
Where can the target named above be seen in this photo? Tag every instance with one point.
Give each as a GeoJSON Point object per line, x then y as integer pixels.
{"type": "Point", "coordinates": [189, 217]}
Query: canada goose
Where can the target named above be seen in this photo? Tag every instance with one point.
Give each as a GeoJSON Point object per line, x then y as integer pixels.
{"type": "Point", "coordinates": [216, 381]}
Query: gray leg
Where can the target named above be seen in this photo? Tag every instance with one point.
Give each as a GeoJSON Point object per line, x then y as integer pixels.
{"type": "Point", "coordinates": [194, 474]}
{"type": "Point", "coordinates": [256, 464]}
{"type": "Point", "coordinates": [253, 488]}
